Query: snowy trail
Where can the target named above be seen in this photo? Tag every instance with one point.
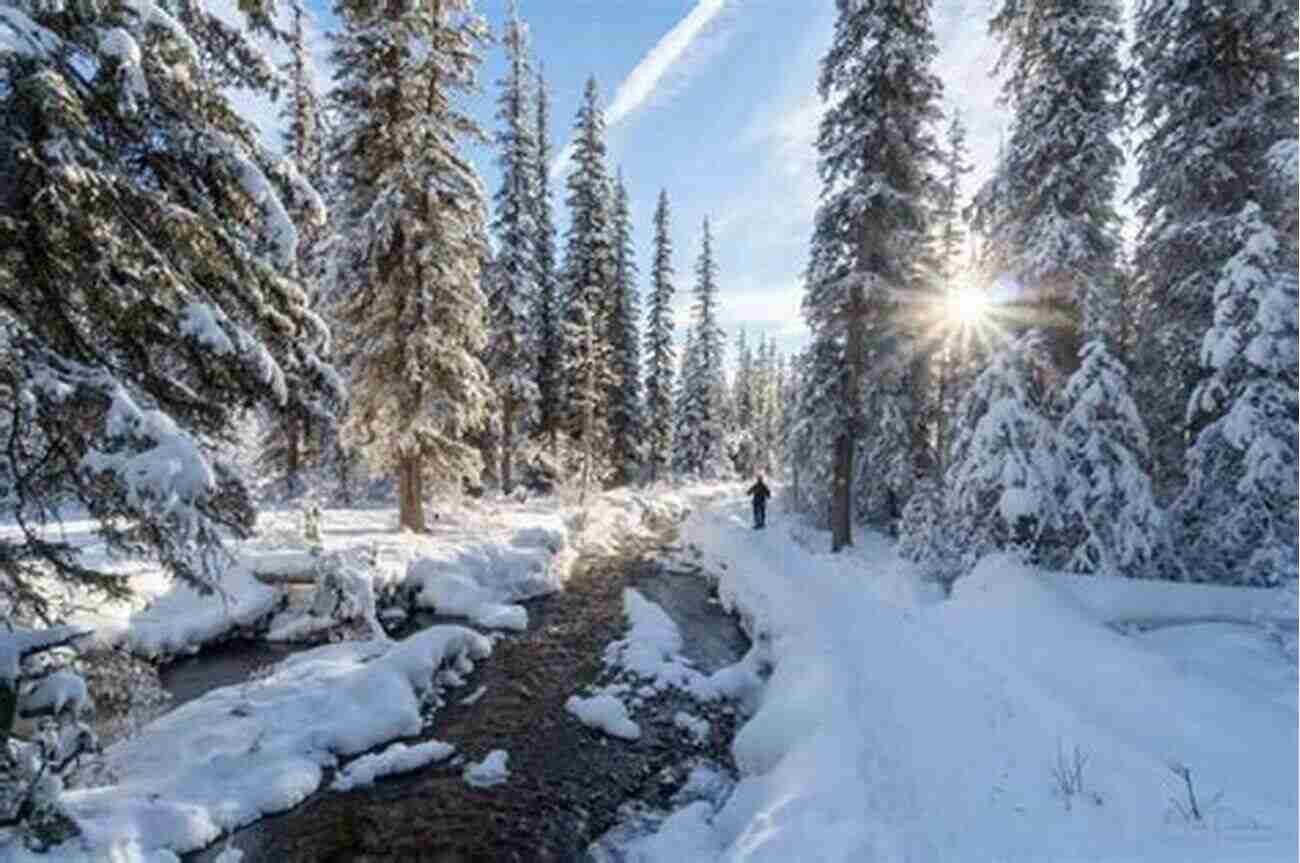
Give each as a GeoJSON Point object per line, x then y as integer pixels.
{"type": "Point", "coordinates": [897, 725]}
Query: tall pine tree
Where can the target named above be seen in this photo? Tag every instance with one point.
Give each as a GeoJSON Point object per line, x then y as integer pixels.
{"type": "Point", "coordinates": [513, 284]}
{"type": "Point", "coordinates": [1057, 223]}
{"type": "Point", "coordinates": [546, 325]}
{"type": "Point", "coordinates": [625, 420]}
{"type": "Point", "coordinates": [659, 348]}
{"type": "Point", "coordinates": [290, 433]}
{"type": "Point", "coordinates": [950, 358]}
{"type": "Point", "coordinates": [703, 384]}
{"type": "Point", "coordinates": [876, 154]}
{"type": "Point", "coordinates": [589, 273]}
{"type": "Point", "coordinates": [412, 241]}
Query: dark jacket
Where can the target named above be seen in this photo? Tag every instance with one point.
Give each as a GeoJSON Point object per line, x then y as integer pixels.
{"type": "Point", "coordinates": [759, 492]}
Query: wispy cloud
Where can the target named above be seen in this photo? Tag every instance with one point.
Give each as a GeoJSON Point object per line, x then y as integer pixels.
{"type": "Point", "coordinates": [641, 83]}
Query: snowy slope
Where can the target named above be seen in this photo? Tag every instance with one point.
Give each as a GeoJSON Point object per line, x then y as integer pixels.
{"type": "Point", "coordinates": [900, 726]}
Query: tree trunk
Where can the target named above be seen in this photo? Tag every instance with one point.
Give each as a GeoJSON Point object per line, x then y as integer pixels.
{"type": "Point", "coordinates": [854, 352]}
{"type": "Point", "coordinates": [841, 494]}
{"type": "Point", "coordinates": [409, 494]}
{"type": "Point", "coordinates": [942, 416]}
{"type": "Point", "coordinates": [507, 443]}
{"type": "Point", "coordinates": [293, 453]}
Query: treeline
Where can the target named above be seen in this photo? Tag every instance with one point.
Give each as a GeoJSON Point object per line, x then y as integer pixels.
{"type": "Point", "coordinates": [1127, 413]}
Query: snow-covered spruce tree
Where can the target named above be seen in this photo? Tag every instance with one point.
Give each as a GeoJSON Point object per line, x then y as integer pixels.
{"type": "Point", "coordinates": [412, 241]}
{"type": "Point", "coordinates": [1237, 519]}
{"type": "Point", "coordinates": [589, 271]}
{"type": "Point", "coordinates": [876, 154]}
{"type": "Point", "coordinates": [1058, 223]}
{"type": "Point", "coordinates": [703, 383]}
{"type": "Point", "coordinates": [815, 418]}
{"type": "Point", "coordinates": [659, 357]}
{"type": "Point", "coordinates": [742, 388]}
{"type": "Point", "coordinates": [625, 417]}
{"type": "Point", "coordinates": [1004, 480]}
{"type": "Point", "coordinates": [1215, 91]}
{"type": "Point", "coordinates": [292, 439]}
{"type": "Point", "coordinates": [147, 293]}
{"type": "Point", "coordinates": [740, 443]}
{"type": "Point", "coordinates": [1111, 522]}
{"type": "Point", "coordinates": [546, 325]}
{"type": "Point", "coordinates": [513, 284]}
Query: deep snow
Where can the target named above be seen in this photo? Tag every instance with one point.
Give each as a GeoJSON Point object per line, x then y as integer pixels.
{"type": "Point", "coordinates": [898, 725]}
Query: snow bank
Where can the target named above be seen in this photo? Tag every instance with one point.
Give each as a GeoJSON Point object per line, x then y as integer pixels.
{"type": "Point", "coordinates": [897, 727]}
{"type": "Point", "coordinates": [181, 620]}
{"type": "Point", "coordinates": [239, 752]}
{"type": "Point", "coordinates": [492, 770]}
{"type": "Point", "coordinates": [1122, 600]}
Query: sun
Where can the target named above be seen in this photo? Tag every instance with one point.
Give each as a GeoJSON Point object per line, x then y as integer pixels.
{"type": "Point", "coordinates": [966, 306]}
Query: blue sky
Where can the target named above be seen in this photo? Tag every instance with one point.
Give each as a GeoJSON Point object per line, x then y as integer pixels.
{"type": "Point", "coordinates": [719, 106]}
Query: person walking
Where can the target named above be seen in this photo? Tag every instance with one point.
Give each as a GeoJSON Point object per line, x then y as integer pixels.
{"type": "Point", "coordinates": [760, 493]}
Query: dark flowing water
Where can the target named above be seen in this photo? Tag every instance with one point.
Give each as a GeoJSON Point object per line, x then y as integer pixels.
{"type": "Point", "coordinates": [567, 782]}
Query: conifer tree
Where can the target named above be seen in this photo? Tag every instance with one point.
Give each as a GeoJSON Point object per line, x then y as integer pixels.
{"type": "Point", "coordinates": [1111, 520]}
{"type": "Point", "coordinates": [1216, 93]}
{"type": "Point", "coordinates": [684, 428]}
{"type": "Point", "coordinates": [290, 431]}
{"type": "Point", "coordinates": [412, 242]}
{"type": "Point", "coordinates": [147, 288]}
{"type": "Point", "coordinates": [546, 324]}
{"type": "Point", "coordinates": [513, 286]}
{"type": "Point", "coordinates": [659, 349]}
{"type": "Point", "coordinates": [1058, 224]}
{"type": "Point", "coordinates": [870, 232]}
{"type": "Point", "coordinates": [703, 383]}
{"type": "Point", "coordinates": [743, 389]}
{"type": "Point", "coordinates": [1003, 487]}
{"type": "Point", "coordinates": [950, 356]}
{"type": "Point", "coordinates": [589, 272]}
{"type": "Point", "coordinates": [625, 419]}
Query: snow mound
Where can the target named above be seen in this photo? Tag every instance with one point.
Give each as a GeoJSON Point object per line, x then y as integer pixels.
{"type": "Point", "coordinates": [398, 758]}
{"type": "Point", "coordinates": [604, 712]}
{"type": "Point", "coordinates": [261, 747]}
{"type": "Point", "coordinates": [492, 770]}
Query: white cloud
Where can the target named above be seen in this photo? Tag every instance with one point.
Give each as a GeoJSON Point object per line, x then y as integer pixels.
{"type": "Point", "coordinates": [647, 76]}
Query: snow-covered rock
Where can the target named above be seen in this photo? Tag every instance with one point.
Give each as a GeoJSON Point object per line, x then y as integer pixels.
{"type": "Point", "coordinates": [604, 712]}
{"type": "Point", "coordinates": [492, 770]}
{"type": "Point", "coordinates": [397, 758]}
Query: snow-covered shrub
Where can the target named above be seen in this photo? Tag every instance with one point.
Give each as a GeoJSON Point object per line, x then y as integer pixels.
{"type": "Point", "coordinates": [345, 589]}
{"type": "Point", "coordinates": [924, 536]}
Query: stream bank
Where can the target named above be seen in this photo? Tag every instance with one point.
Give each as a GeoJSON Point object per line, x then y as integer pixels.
{"type": "Point", "coordinates": [567, 782]}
